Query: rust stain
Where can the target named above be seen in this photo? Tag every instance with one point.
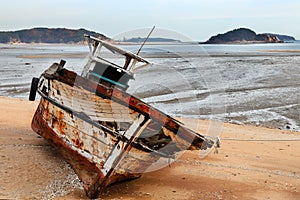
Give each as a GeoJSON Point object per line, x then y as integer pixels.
{"type": "Point", "coordinates": [94, 146]}
{"type": "Point", "coordinates": [76, 139]}
{"type": "Point", "coordinates": [61, 122]}
{"type": "Point", "coordinates": [45, 104]}
{"type": "Point", "coordinates": [54, 123]}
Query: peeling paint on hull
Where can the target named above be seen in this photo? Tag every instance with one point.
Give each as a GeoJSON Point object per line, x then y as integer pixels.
{"type": "Point", "coordinates": [104, 133]}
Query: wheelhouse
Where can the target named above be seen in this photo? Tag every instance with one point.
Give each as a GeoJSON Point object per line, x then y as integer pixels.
{"type": "Point", "coordinates": [104, 69]}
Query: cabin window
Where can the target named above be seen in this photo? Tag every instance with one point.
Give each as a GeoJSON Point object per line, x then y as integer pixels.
{"type": "Point", "coordinates": [111, 74]}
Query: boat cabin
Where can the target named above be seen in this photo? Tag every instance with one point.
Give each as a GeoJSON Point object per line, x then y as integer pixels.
{"type": "Point", "coordinates": [107, 72]}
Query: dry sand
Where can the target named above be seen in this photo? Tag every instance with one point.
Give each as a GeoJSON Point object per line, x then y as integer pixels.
{"type": "Point", "coordinates": [30, 168]}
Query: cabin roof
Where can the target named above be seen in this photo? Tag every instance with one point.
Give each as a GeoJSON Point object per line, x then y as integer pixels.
{"type": "Point", "coordinates": [118, 50]}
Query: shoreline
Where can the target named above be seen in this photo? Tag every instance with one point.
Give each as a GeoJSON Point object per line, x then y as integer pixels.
{"type": "Point", "coordinates": [256, 53]}
{"type": "Point", "coordinates": [252, 163]}
{"type": "Point", "coordinates": [201, 52]}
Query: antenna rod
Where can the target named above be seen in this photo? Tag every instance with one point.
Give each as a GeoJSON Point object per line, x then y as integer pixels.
{"type": "Point", "coordinates": [134, 61]}
{"type": "Point", "coordinates": [145, 40]}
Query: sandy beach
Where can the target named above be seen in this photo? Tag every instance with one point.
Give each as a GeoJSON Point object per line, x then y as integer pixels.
{"type": "Point", "coordinates": [252, 163]}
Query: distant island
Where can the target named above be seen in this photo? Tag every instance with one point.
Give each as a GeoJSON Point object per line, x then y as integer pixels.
{"type": "Point", "coordinates": [155, 40]}
{"type": "Point", "coordinates": [245, 36]}
{"type": "Point", "coordinates": [48, 35]}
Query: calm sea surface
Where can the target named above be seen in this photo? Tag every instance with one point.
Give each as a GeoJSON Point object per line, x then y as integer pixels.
{"type": "Point", "coordinates": [246, 84]}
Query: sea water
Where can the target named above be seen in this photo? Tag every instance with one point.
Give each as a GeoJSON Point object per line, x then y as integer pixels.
{"type": "Point", "coordinates": [246, 84]}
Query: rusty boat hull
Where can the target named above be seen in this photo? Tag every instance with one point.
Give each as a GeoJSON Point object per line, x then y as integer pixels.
{"type": "Point", "coordinates": [104, 133]}
{"type": "Point", "coordinates": [74, 114]}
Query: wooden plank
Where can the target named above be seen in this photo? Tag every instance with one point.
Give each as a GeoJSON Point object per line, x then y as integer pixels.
{"type": "Point", "coordinates": [96, 108]}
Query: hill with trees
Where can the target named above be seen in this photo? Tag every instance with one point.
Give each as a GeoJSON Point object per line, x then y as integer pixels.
{"type": "Point", "coordinates": [47, 35]}
{"type": "Point", "coordinates": [244, 35]}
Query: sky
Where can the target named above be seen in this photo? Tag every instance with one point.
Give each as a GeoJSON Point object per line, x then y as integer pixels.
{"type": "Point", "coordinates": [197, 20]}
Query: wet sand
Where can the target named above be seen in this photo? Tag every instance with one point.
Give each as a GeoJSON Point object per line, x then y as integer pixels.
{"type": "Point", "coordinates": [252, 163]}
{"type": "Point", "coordinates": [53, 55]}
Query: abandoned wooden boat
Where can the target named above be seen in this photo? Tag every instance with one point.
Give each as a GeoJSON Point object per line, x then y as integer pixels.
{"type": "Point", "coordinates": [104, 133]}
